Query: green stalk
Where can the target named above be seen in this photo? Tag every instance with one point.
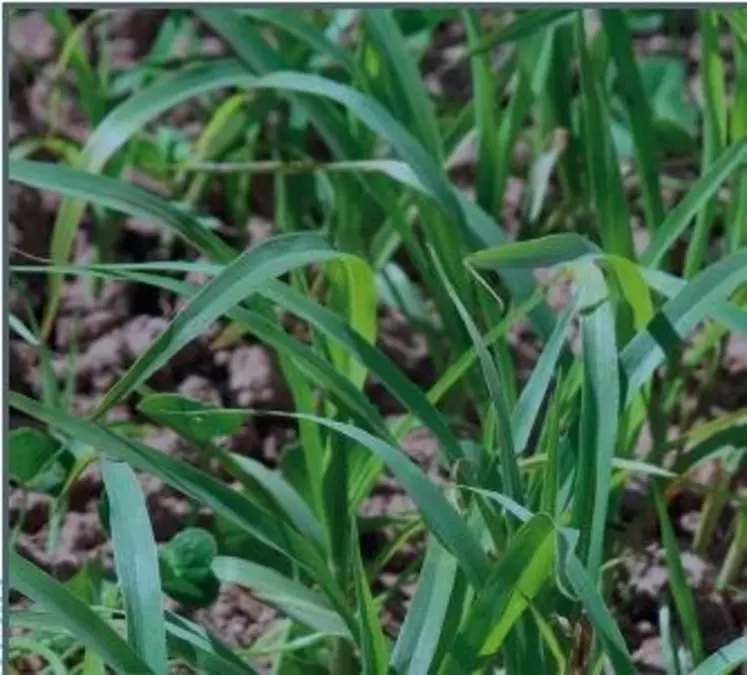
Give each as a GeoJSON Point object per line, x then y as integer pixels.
{"type": "Point", "coordinates": [714, 133]}
{"type": "Point", "coordinates": [735, 557]}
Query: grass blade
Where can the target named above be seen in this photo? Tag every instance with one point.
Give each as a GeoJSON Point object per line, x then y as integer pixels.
{"type": "Point", "coordinates": [527, 409]}
{"type": "Point", "coordinates": [440, 516]}
{"type": "Point", "coordinates": [194, 483]}
{"type": "Point", "coordinates": [486, 120]}
{"type": "Point", "coordinates": [409, 91]}
{"type": "Point", "coordinates": [136, 559]}
{"type": "Point", "coordinates": [646, 351]}
{"type": "Point", "coordinates": [234, 284]}
{"type": "Point", "coordinates": [725, 659]}
{"type": "Point", "coordinates": [76, 616]}
{"type": "Point", "coordinates": [681, 592]}
{"type": "Point", "coordinates": [714, 132]}
{"type": "Point", "coordinates": [493, 381]}
{"type": "Point", "coordinates": [600, 405]}
{"type": "Point", "coordinates": [373, 643]}
{"type": "Point", "coordinates": [524, 568]}
{"type": "Point", "coordinates": [114, 131]}
{"type": "Point", "coordinates": [422, 629]}
{"type": "Point", "coordinates": [288, 596]}
{"type": "Point", "coordinates": [639, 113]}
{"type": "Point", "coordinates": [525, 26]}
{"type": "Point", "coordinates": [613, 216]}
{"type": "Point", "coordinates": [691, 204]}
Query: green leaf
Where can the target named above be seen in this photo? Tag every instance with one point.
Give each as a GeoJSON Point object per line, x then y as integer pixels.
{"type": "Point", "coordinates": [631, 83]}
{"type": "Point", "coordinates": [119, 195]}
{"type": "Point", "coordinates": [20, 329]}
{"type": "Point", "coordinates": [696, 199]}
{"type": "Point", "coordinates": [487, 119]}
{"type": "Point", "coordinates": [288, 596]}
{"type": "Point", "coordinates": [136, 560]}
{"type": "Point", "coordinates": [681, 592]}
{"type": "Point", "coordinates": [422, 630]}
{"type": "Point", "coordinates": [201, 649]}
{"type": "Point", "coordinates": [32, 455]}
{"type": "Point", "coordinates": [586, 589]}
{"type": "Point", "coordinates": [508, 460]}
{"type": "Point", "coordinates": [203, 488]}
{"type": "Point", "coordinates": [194, 419]}
{"type": "Point", "coordinates": [529, 404]}
{"type": "Point", "coordinates": [442, 519]}
{"type": "Point", "coordinates": [678, 316]}
{"type": "Point", "coordinates": [308, 33]}
{"type": "Point", "coordinates": [191, 552]}
{"type": "Point", "coordinates": [524, 568]}
{"type": "Point", "coordinates": [610, 204]}
{"type": "Point", "coordinates": [114, 131]}
{"type": "Point", "coordinates": [409, 90]}
{"type": "Point", "coordinates": [187, 563]}
{"type": "Point", "coordinates": [527, 25]}
{"type": "Point", "coordinates": [233, 285]}
{"type": "Point", "coordinates": [714, 131]}
{"type": "Point", "coordinates": [316, 369]}
{"type": "Point", "coordinates": [725, 659]}
{"type": "Point", "coordinates": [600, 407]}
{"type": "Point", "coordinates": [548, 251]}
{"type": "Point", "coordinates": [91, 631]}
{"type": "Point", "coordinates": [373, 643]}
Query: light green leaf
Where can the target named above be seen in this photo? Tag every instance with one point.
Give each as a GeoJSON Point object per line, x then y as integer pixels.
{"type": "Point", "coordinates": [136, 560]}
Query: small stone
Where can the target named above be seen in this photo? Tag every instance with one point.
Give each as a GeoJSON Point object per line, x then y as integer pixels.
{"type": "Point", "coordinates": [252, 377]}
{"type": "Point", "coordinates": [201, 389]}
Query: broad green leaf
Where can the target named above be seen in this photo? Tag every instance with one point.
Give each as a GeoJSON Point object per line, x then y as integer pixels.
{"type": "Point", "coordinates": [186, 565]}
{"type": "Point", "coordinates": [32, 453]}
{"type": "Point", "coordinates": [136, 560]}
{"type": "Point", "coordinates": [78, 618]}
